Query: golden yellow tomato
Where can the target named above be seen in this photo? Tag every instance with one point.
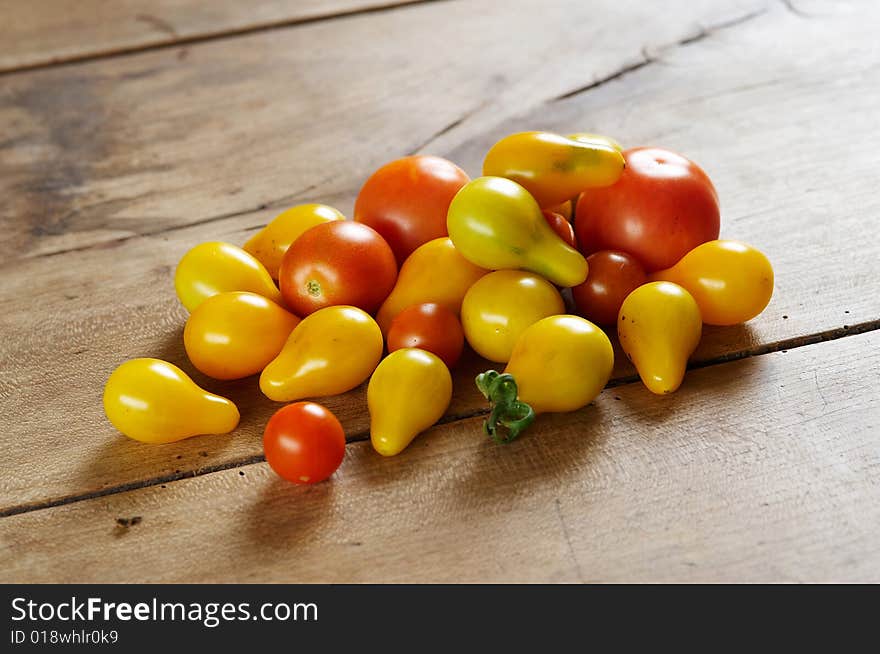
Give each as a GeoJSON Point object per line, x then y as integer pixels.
{"type": "Point", "coordinates": [659, 327]}
{"type": "Point", "coordinates": [235, 335]}
{"type": "Point", "coordinates": [154, 401]}
{"type": "Point", "coordinates": [731, 281]}
{"type": "Point", "coordinates": [434, 273]}
{"type": "Point", "coordinates": [270, 243]}
{"type": "Point", "coordinates": [409, 391]}
{"type": "Point", "coordinates": [330, 352]}
{"type": "Point", "coordinates": [499, 307]}
{"type": "Point", "coordinates": [495, 223]}
{"type": "Point", "coordinates": [216, 267]}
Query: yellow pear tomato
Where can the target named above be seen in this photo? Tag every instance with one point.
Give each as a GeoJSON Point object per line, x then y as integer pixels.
{"type": "Point", "coordinates": [409, 391]}
{"type": "Point", "coordinates": [659, 327]}
{"type": "Point", "coordinates": [269, 244]}
{"type": "Point", "coordinates": [499, 307]}
{"type": "Point", "coordinates": [235, 335]}
{"type": "Point", "coordinates": [329, 352]}
{"type": "Point", "coordinates": [216, 267]}
{"type": "Point", "coordinates": [731, 281]}
{"type": "Point", "coordinates": [153, 401]}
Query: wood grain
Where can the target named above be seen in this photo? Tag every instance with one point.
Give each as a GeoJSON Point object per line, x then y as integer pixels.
{"type": "Point", "coordinates": [55, 31]}
{"type": "Point", "coordinates": [759, 470]}
{"type": "Point", "coordinates": [70, 318]}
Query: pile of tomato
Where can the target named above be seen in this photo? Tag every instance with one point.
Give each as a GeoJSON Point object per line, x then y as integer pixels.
{"type": "Point", "coordinates": [560, 241]}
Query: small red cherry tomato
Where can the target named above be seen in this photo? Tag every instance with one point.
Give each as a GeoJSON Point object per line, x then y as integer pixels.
{"type": "Point", "coordinates": [561, 226]}
{"type": "Point", "coordinates": [430, 327]}
{"type": "Point", "coordinates": [304, 442]}
{"type": "Point", "coordinates": [612, 276]}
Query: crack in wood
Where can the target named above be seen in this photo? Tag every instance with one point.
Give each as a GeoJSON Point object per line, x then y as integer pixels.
{"type": "Point", "coordinates": [768, 348]}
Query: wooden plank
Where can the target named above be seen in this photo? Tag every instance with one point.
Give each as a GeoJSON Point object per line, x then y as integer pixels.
{"type": "Point", "coordinates": [134, 145]}
{"type": "Point", "coordinates": [71, 318]}
{"type": "Point", "coordinates": [759, 470]}
{"type": "Point", "coordinates": [54, 31]}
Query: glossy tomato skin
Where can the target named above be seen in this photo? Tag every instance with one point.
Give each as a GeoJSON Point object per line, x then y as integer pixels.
{"type": "Point", "coordinates": [561, 226]}
{"type": "Point", "coordinates": [430, 327]}
{"type": "Point", "coordinates": [612, 276]}
{"type": "Point", "coordinates": [406, 201]}
{"type": "Point", "coordinates": [661, 208]}
{"type": "Point", "coordinates": [337, 263]}
{"type": "Point", "coordinates": [304, 443]}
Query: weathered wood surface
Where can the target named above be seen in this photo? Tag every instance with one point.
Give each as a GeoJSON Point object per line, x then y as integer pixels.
{"type": "Point", "coordinates": [761, 469]}
{"type": "Point", "coordinates": [70, 318]}
{"type": "Point", "coordinates": [55, 31]}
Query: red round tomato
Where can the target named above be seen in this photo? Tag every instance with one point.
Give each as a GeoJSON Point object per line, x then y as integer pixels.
{"type": "Point", "coordinates": [406, 201]}
{"type": "Point", "coordinates": [612, 276]}
{"type": "Point", "coordinates": [661, 208]}
{"type": "Point", "coordinates": [338, 262]}
{"type": "Point", "coordinates": [561, 226]}
{"type": "Point", "coordinates": [430, 327]}
{"type": "Point", "coordinates": [304, 443]}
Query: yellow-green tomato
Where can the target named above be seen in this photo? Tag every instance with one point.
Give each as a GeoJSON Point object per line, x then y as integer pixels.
{"type": "Point", "coordinates": [153, 401]}
{"type": "Point", "coordinates": [554, 168]}
{"type": "Point", "coordinates": [216, 267]}
{"type": "Point", "coordinates": [329, 352]}
{"type": "Point", "coordinates": [409, 391]}
{"type": "Point", "coordinates": [270, 243]}
{"type": "Point", "coordinates": [235, 335]}
{"type": "Point", "coordinates": [499, 307]}
{"type": "Point", "coordinates": [659, 327]}
{"type": "Point", "coordinates": [495, 224]}
{"type": "Point", "coordinates": [731, 281]}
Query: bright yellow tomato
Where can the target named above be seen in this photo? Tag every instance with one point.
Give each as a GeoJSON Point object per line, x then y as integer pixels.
{"type": "Point", "coordinates": [235, 335]}
{"type": "Point", "coordinates": [731, 281]}
{"type": "Point", "coordinates": [551, 167]}
{"type": "Point", "coordinates": [499, 307]}
{"type": "Point", "coordinates": [154, 401]}
{"type": "Point", "coordinates": [409, 391]}
{"type": "Point", "coordinates": [270, 243]}
{"type": "Point", "coordinates": [330, 352]}
{"type": "Point", "coordinates": [216, 267]}
{"type": "Point", "coordinates": [659, 327]}
{"type": "Point", "coordinates": [434, 273]}
{"type": "Point", "coordinates": [495, 223]}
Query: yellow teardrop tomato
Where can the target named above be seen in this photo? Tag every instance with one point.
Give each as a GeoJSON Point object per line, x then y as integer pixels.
{"type": "Point", "coordinates": [499, 307]}
{"type": "Point", "coordinates": [235, 335]}
{"type": "Point", "coordinates": [269, 244]}
{"type": "Point", "coordinates": [659, 327]}
{"type": "Point", "coordinates": [216, 267]}
{"type": "Point", "coordinates": [495, 223]}
{"type": "Point", "coordinates": [551, 167]}
{"type": "Point", "coordinates": [409, 391]}
{"type": "Point", "coordinates": [590, 137]}
{"type": "Point", "coordinates": [731, 281]}
{"type": "Point", "coordinates": [330, 352]}
{"type": "Point", "coordinates": [154, 401]}
{"type": "Point", "coordinates": [434, 273]}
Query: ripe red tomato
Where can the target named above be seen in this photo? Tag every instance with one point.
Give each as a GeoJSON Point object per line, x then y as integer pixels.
{"type": "Point", "coordinates": [661, 208]}
{"type": "Point", "coordinates": [304, 443]}
{"type": "Point", "coordinates": [338, 262]}
{"type": "Point", "coordinates": [406, 201]}
{"type": "Point", "coordinates": [430, 327]}
{"type": "Point", "coordinates": [561, 226]}
{"type": "Point", "coordinates": [612, 276]}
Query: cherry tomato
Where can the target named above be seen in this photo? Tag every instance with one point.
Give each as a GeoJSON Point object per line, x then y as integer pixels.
{"type": "Point", "coordinates": [406, 201]}
{"type": "Point", "coordinates": [561, 226]}
{"type": "Point", "coordinates": [304, 443]}
{"type": "Point", "coordinates": [430, 327]}
{"type": "Point", "coordinates": [612, 276]}
{"type": "Point", "coordinates": [338, 262]}
{"type": "Point", "coordinates": [661, 208]}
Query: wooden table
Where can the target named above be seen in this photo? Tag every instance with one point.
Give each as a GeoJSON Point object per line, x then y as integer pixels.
{"type": "Point", "coordinates": [130, 131]}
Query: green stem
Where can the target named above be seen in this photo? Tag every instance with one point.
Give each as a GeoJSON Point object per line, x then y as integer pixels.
{"type": "Point", "coordinates": [508, 413]}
